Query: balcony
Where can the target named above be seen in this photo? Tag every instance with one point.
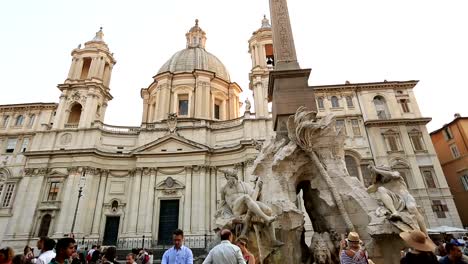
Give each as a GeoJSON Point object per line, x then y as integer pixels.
{"type": "Point", "coordinates": [71, 125]}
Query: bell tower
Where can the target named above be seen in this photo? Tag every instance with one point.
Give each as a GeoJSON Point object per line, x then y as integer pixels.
{"type": "Point", "coordinates": [263, 61]}
{"type": "Point", "coordinates": [86, 91]}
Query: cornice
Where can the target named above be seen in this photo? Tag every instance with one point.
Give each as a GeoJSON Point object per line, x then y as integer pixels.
{"type": "Point", "coordinates": [398, 121]}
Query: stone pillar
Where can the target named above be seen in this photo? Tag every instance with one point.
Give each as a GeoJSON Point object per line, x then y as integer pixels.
{"type": "Point", "coordinates": [150, 204]}
{"type": "Point", "coordinates": [72, 68]}
{"type": "Point", "coordinates": [213, 191]}
{"type": "Point", "coordinates": [132, 213]}
{"type": "Point", "coordinates": [60, 114]}
{"type": "Point", "coordinates": [78, 68]}
{"type": "Point", "coordinates": [99, 204]}
{"type": "Point", "coordinates": [188, 200]}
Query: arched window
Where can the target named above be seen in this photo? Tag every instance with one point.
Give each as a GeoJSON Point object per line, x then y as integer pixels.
{"type": "Point", "coordinates": [75, 114]}
{"type": "Point", "coordinates": [19, 120]}
{"type": "Point", "coordinates": [5, 121]}
{"type": "Point", "coordinates": [45, 225]}
{"type": "Point", "coordinates": [85, 68]}
{"type": "Point", "coordinates": [32, 118]}
{"type": "Point", "coordinates": [320, 103]}
{"type": "Point", "coordinates": [351, 166]}
{"type": "Point", "coordinates": [349, 101]}
{"type": "Point", "coordinates": [114, 206]}
{"type": "Point", "coordinates": [381, 107]}
{"type": "Point", "coordinates": [335, 102]}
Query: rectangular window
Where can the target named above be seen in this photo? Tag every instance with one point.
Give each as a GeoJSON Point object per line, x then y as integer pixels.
{"type": "Point", "coordinates": [439, 208]}
{"type": "Point", "coordinates": [53, 191]}
{"type": "Point", "coordinates": [404, 105]}
{"type": "Point", "coordinates": [356, 128]}
{"type": "Point", "coordinates": [392, 143]}
{"type": "Point", "coordinates": [417, 142]}
{"type": "Point", "coordinates": [1, 188]}
{"type": "Point", "coordinates": [11, 145]}
{"type": "Point", "coordinates": [216, 111]}
{"type": "Point", "coordinates": [464, 180]}
{"type": "Point", "coordinates": [428, 175]}
{"type": "Point", "coordinates": [183, 105]}
{"type": "Point", "coordinates": [340, 125]}
{"type": "Point", "coordinates": [349, 101]}
{"type": "Point", "coordinates": [25, 144]}
{"type": "Point", "coordinates": [447, 133]}
{"type": "Point", "coordinates": [455, 152]}
{"type": "Point", "coordinates": [8, 195]}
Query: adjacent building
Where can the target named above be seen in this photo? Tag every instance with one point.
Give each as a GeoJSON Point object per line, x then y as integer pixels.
{"type": "Point", "coordinates": [451, 145]}
{"type": "Point", "coordinates": [139, 183]}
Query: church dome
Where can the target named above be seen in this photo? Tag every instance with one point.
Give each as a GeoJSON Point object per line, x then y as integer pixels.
{"type": "Point", "coordinates": [195, 57]}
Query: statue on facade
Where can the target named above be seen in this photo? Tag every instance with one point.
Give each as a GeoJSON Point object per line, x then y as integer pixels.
{"type": "Point", "coordinates": [239, 204]}
{"type": "Point", "coordinates": [247, 105]}
{"type": "Point", "coordinates": [391, 189]}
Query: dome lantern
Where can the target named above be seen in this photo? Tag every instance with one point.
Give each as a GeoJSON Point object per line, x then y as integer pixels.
{"type": "Point", "coordinates": [196, 37]}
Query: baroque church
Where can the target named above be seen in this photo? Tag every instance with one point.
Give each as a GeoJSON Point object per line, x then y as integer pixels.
{"type": "Point", "coordinates": [63, 170]}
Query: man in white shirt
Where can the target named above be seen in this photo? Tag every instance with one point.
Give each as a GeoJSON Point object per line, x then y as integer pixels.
{"type": "Point", "coordinates": [47, 252]}
{"type": "Point", "coordinates": [226, 252]}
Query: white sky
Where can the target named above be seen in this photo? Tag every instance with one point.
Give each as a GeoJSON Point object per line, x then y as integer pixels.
{"type": "Point", "coordinates": [359, 41]}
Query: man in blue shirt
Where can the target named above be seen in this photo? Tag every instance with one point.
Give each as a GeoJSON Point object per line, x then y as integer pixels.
{"type": "Point", "coordinates": [178, 254]}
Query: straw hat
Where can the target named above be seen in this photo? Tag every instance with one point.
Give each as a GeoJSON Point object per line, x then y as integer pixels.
{"type": "Point", "coordinates": [353, 237]}
{"type": "Point", "coordinates": [418, 240]}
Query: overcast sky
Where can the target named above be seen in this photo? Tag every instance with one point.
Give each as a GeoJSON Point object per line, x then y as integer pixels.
{"type": "Point", "coordinates": [359, 41]}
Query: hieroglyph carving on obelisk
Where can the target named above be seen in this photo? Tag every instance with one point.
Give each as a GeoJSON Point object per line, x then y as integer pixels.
{"type": "Point", "coordinates": [283, 41]}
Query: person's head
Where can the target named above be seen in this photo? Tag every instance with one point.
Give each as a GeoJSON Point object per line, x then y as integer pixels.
{"type": "Point", "coordinates": [18, 259]}
{"type": "Point", "coordinates": [111, 253]}
{"type": "Point", "coordinates": [94, 247]}
{"type": "Point", "coordinates": [65, 247]}
{"type": "Point", "coordinates": [98, 247]}
{"type": "Point", "coordinates": [49, 244]}
{"type": "Point", "coordinates": [130, 258]}
{"type": "Point", "coordinates": [6, 255]}
{"type": "Point", "coordinates": [226, 234]}
{"type": "Point", "coordinates": [95, 256]}
{"type": "Point", "coordinates": [242, 244]}
{"type": "Point", "coordinates": [231, 177]}
{"type": "Point", "coordinates": [418, 240]}
{"type": "Point", "coordinates": [40, 242]}
{"type": "Point", "coordinates": [178, 238]}
{"type": "Point", "coordinates": [353, 240]}
{"type": "Point", "coordinates": [26, 250]}
{"type": "Point", "coordinates": [453, 251]}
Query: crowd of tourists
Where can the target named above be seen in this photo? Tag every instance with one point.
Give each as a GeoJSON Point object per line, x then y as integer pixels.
{"type": "Point", "coordinates": [420, 249]}
{"type": "Point", "coordinates": [66, 251]}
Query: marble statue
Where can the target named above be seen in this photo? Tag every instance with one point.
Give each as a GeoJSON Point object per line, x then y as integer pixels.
{"type": "Point", "coordinates": [391, 189]}
{"type": "Point", "coordinates": [239, 203]}
{"type": "Point", "coordinates": [247, 105]}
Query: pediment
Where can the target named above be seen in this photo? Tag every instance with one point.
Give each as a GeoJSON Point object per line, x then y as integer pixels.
{"type": "Point", "coordinates": [55, 173]}
{"type": "Point", "coordinates": [170, 144]}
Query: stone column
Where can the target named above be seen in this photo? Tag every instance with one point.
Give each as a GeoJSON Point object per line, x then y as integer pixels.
{"type": "Point", "coordinates": [150, 205]}
{"type": "Point", "coordinates": [99, 204]}
{"type": "Point", "coordinates": [72, 68]}
{"type": "Point", "coordinates": [132, 213]}
{"type": "Point", "coordinates": [213, 191]}
{"type": "Point", "coordinates": [60, 114]}
{"type": "Point", "coordinates": [188, 200]}
{"type": "Point", "coordinates": [283, 41]}
{"type": "Point", "coordinates": [78, 68]}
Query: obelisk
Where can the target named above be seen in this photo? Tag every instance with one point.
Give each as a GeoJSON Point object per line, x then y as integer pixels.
{"type": "Point", "coordinates": [288, 87]}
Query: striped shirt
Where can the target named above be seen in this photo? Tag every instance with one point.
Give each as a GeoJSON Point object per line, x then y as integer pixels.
{"type": "Point", "coordinates": [360, 257]}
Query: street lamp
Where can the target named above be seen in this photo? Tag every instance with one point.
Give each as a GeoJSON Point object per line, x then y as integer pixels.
{"type": "Point", "coordinates": [80, 191]}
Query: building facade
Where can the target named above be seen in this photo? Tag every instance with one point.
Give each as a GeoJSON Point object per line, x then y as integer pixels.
{"type": "Point", "coordinates": [139, 183]}
{"type": "Point", "coordinates": [451, 145]}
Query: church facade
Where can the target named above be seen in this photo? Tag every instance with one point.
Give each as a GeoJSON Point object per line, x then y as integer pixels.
{"type": "Point", "coordinates": [63, 170]}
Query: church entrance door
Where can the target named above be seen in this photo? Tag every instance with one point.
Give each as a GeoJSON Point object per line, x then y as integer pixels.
{"type": "Point", "coordinates": [168, 220]}
{"type": "Point", "coordinates": [111, 231]}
